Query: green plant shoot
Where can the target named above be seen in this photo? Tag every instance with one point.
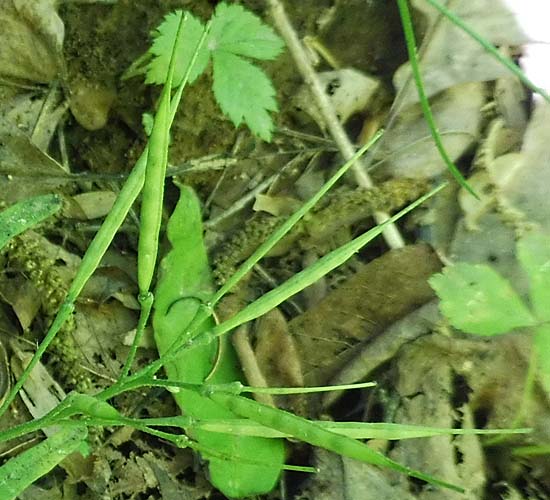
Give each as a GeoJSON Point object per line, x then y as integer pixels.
{"type": "Point", "coordinates": [424, 103]}
{"type": "Point", "coordinates": [246, 95]}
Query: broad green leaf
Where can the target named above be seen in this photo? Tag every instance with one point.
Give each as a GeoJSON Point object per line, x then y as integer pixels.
{"type": "Point", "coordinates": [476, 299]}
{"type": "Point", "coordinates": [26, 214]}
{"type": "Point", "coordinates": [21, 471]}
{"type": "Point", "coordinates": [541, 342]}
{"type": "Point", "coordinates": [244, 93]}
{"type": "Point", "coordinates": [161, 50]}
{"type": "Point", "coordinates": [534, 256]}
{"type": "Point", "coordinates": [185, 281]}
{"type": "Point", "coordinates": [240, 32]}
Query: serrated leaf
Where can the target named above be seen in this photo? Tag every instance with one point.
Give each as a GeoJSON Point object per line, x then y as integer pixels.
{"type": "Point", "coordinates": [476, 299]}
{"type": "Point", "coordinates": [244, 93]}
{"type": "Point", "coordinates": [541, 342]}
{"type": "Point", "coordinates": [534, 255]}
{"type": "Point", "coordinates": [161, 50]}
{"type": "Point", "coordinates": [240, 32]}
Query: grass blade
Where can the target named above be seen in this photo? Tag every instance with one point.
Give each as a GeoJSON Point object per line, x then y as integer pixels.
{"type": "Point", "coordinates": [490, 48]}
{"type": "Point", "coordinates": [313, 434]}
{"type": "Point", "coordinates": [424, 103]}
{"type": "Point", "coordinates": [21, 471]}
{"type": "Point", "coordinates": [278, 234]}
{"type": "Point", "coordinates": [26, 214]}
{"type": "Point", "coordinates": [313, 273]}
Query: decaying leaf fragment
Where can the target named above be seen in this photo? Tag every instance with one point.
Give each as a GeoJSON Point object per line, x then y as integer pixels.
{"type": "Point", "coordinates": [31, 40]}
{"type": "Point", "coordinates": [381, 292]}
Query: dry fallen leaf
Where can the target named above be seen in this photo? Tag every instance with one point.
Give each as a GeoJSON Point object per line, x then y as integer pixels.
{"type": "Point", "coordinates": [31, 40]}
{"type": "Point", "coordinates": [450, 57]}
{"type": "Point", "coordinates": [381, 292]}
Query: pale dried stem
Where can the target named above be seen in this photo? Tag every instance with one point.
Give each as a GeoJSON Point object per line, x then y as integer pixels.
{"type": "Point", "coordinates": [391, 234]}
{"type": "Point", "coordinates": [249, 364]}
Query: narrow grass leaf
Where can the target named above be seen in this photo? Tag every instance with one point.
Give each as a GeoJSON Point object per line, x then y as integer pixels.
{"type": "Point", "coordinates": [310, 275]}
{"type": "Point", "coordinates": [280, 232]}
{"type": "Point", "coordinates": [533, 251]}
{"type": "Point", "coordinates": [20, 472]}
{"type": "Point", "coordinates": [490, 48]}
{"type": "Point", "coordinates": [26, 214]}
{"type": "Point", "coordinates": [355, 430]}
{"type": "Point", "coordinates": [424, 103]}
{"type": "Point", "coordinates": [313, 434]}
{"type": "Point", "coordinates": [476, 299]}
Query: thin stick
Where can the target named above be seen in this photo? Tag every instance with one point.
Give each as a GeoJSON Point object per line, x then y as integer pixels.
{"type": "Point", "coordinates": [252, 371]}
{"type": "Point", "coordinates": [391, 233]}
{"type": "Point", "coordinates": [241, 203]}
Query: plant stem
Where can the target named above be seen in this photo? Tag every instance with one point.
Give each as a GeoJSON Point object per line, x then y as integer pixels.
{"type": "Point", "coordinates": [391, 233]}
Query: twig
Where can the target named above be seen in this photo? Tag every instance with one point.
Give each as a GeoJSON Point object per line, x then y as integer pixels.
{"type": "Point", "coordinates": [345, 146]}
{"type": "Point", "coordinates": [249, 363]}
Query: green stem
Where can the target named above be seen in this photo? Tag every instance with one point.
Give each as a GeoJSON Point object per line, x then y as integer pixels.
{"type": "Point", "coordinates": [424, 103]}
{"type": "Point", "coordinates": [490, 48]}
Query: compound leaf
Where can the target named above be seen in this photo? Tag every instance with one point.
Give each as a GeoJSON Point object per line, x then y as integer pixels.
{"type": "Point", "coordinates": [244, 93]}
{"type": "Point", "coordinates": [534, 256]}
{"type": "Point", "coordinates": [476, 299]}
{"type": "Point", "coordinates": [238, 31]}
{"type": "Point", "coordinates": [161, 50]}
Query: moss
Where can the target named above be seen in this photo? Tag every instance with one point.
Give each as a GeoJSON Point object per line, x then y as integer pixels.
{"type": "Point", "coordinates": [30, 257]}
{"type": "Point", "coordinates": [340, 209]}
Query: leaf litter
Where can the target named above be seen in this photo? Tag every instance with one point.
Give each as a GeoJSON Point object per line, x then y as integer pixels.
{"type": "Point", "coordinates": [430, 378]}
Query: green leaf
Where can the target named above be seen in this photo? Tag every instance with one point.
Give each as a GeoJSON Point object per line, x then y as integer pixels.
{"type": "Point", "coordinates": [541, 342]}
{"type": "Point", "coordinates": [161, 50]}
{"type": "Point", "coordinates": [240, 32]}
{"type": "Point", "coordinates": [244, 93]}
{"type": "Point", "coordinates": [534, 255]}
{"type": "Point", "coordinates": [21, 471]}
{"type": "Point", "coordinates": [184, 284]}
{"type": "Point", "coordinates": [476, 299]}
{"type": "Point", "coordinates": [26, 214]}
